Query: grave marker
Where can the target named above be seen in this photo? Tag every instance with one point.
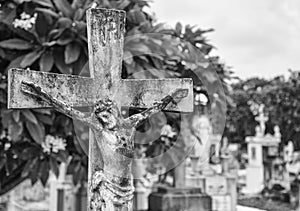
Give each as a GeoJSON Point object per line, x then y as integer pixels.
{"type": "Point", "coordinates": [111, 146]}
{"type": "Point", "coordinates": [261, 152]}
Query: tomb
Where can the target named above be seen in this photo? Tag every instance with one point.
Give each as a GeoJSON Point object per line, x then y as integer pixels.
{"type": "Point", "coordinates": [262, 152]}
{"type": "Point", "coordinates": [182, 196]}
{"type": "Point", "coordinates": [210, 169]}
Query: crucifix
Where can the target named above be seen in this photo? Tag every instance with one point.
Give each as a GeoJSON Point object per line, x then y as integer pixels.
{"type": "Point", "coordinates": [111, 136]}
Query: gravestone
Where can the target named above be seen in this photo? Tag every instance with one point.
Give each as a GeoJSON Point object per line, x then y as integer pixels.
{"type": "Point", "coordinates": [143, 186]}
{"type": "Point", "coordinates": [28, 197]}
{"type": "Point", "coordinates": [183, 197]}
{"type": "Point", "coordinates": [211, 174]}
{"type": "Point", "coordinates": [262, 149]}
{"type": "Point", "coordinates": [221, 186]}
{"type": "Point", "coordinates": [110, 145]}
{"type": "Point", "coordinates": [62, 195]}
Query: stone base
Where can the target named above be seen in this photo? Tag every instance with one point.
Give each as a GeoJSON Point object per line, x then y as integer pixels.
{"type": "Point", "coordinates": [178, 199]}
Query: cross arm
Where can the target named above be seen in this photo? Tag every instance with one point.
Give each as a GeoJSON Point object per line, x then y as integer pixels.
{"type": "Point", "coordinates": [77, 91]}
{"type": "Point", "coordinates": [172, 99]}
{"type": "Point", "coordinates": [141, 93]}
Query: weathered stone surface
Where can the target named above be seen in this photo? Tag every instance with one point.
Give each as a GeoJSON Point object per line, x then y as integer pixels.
{"type": "Point", "coordinates": [82, 91]}
{"type": "Point", "coordinates": [67, 88]}
{"type": "Point", "coordinates": [142, 93]}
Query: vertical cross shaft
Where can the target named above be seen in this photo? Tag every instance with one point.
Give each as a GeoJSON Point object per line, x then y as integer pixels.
{"type": "Point", "coordinates": [105, 43]}
{"type": "Point", "coordinates": [105, 40]}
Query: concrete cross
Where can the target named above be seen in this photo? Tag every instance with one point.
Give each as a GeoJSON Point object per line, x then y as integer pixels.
{"type": "Point", "coordinates": [105, 39]}
{"type": "Point", "coordinates": [262, 119]}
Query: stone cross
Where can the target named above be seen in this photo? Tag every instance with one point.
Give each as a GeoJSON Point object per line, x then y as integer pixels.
{"type": "Point", "coordinates": [288, 152]}
{"type": "Point", "coordinates": [110, 144]}
{"type": "Point", "coordinates": [262, 119]}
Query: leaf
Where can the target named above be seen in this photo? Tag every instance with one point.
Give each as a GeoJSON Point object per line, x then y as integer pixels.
{"type": "Point", "coordinates": [15, 130]}
{"type": "Point", "coordinates": [8, 17]}
{"type": "Point", "coordinates": [3, 97]}
{"type": "Point", "coordinates": [44, 172]}
{"type": "Point", "coordinates": [30, 58]}
{"type": "Point", "coordinates": [76, 172]}
{"type": "Point", "coordinates": [64, 22]}
{"type": "Point", "coordinates": [41, 25]}
{"type": "Point", "coordinates": [54, 166]}
{"type": "Point", "coordinates": [80, 26]}
{"type": "Point", "coordinates": [29, 116]}
{"type": "Point", "coordinates": [123, 4]}
{"type": "Point", "coordinates": [9, 165]}
{"type": "Point", "coordinates": [15, 43]}
{"type": "Point", "coordinates": [128, 58]}
{"type": "Point", "coordinates": [34, 172]}
{"type": "Point", "coordinates": [15, 63]}
{"type": "Point", "coordinates": [2, 53]}
{"type": "Point", "coordinates": [79, 14]}
{"type": "Point", "coordinates": [65, 38]}
{"type": "Point", "coordinates": [29, 153]}
{"type": "Point", "coordinates": [36, 131]}
{"type": "Point", "coordinates": [2, 161]}
{"type": "Point", "coordinates": [25, 34]}
{"type": "Point", "coordinates": [55, 33]}
{"type": "Point", "coordinates": [6, 117]}
{"type": "Point", "coordinates": [45, 3]}
{"type": "Point", "coordinates": [85, 72]}
{"type": "Point", "coordinates": [28, 166]}
{"type": "Point", "coordinates": [136, 16]}
{"type": "Point", "coordinates": [46, 62]}
{"type": "Point", "coordinates": [81, 140]}
{"type": "Point", "coordinates": [79, 64]}
{"type": "Point", "coordinates": [16, 115]}
{"type": "Point", "coordinates": [48, 12]}
{"type": "Point", "coordinates": [137, 49]}
{"type": "Point", "coordinates": [62, 156]}
{"type": "Point", "coordinates": [60, 63]}
{"type": "Point", "coordinates": [44, 119]}
{"type": "Point", "coordinates": [42, 111]}
{"type": "Point", "coordinates": [139, 16]}
{"type": "Point", "coordinates": [72, 52]}
{"type": "Point", "coordinates": [65, 7]}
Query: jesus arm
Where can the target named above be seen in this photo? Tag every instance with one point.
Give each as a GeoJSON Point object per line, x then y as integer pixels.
{"type": "Point", "coordinates": [174, 98]}
{"type": "Point", "coordinates": [37, 92]}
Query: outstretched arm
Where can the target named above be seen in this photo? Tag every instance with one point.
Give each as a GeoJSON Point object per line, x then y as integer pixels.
{"type": "Point", "coordinates": [37, 92]}
{"type": "Point", "coordinates": [174, 98]}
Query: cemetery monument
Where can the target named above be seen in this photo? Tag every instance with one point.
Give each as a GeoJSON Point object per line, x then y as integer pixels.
{"type": "Point", "coordinates": [262, 149]}
{"type": "Point", "coordinates": [111, 144]}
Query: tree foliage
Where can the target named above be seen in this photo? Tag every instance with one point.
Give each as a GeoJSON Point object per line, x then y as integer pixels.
{"type": "Point", "coordinates": [50, 36]}
{"type": "Point", "coordinates": [281, 99]}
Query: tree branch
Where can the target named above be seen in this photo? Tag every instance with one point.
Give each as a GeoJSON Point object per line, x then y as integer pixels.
{"type": "Point", "coordinates": [174, 98]}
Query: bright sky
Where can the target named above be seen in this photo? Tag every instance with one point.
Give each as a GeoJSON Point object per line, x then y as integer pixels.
{"type": "Point", "coordinates": [255, 37]}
